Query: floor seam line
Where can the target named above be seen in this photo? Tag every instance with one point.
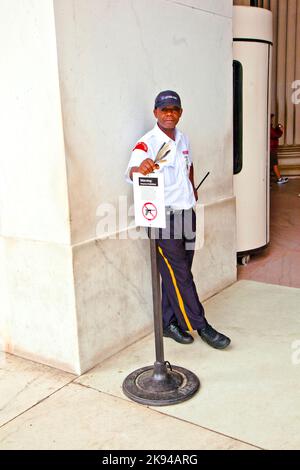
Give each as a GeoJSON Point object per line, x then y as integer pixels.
{"type": "Point", "coordinates": [131, 402]}
{"type": "Point", "coordinates": [37, 403]}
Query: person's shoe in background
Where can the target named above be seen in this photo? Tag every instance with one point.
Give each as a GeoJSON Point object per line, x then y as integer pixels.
{"type": "Point", "coordinates": [282, 180]}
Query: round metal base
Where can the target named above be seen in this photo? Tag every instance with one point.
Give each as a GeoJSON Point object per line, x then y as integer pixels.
{"type": "Point", "coordinates": [177, 385]}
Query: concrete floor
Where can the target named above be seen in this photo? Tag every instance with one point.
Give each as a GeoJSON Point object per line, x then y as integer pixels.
{"type": "Point", "coordinates": [248, 397]}
{"type": "Point", "coordinates": [279, 263]}
{"type": "Point", "coordinates": [249, 393]}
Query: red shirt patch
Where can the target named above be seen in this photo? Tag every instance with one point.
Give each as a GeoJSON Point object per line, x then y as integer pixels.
{"type": "Point", "coordinates": [185, 152]}
{"type": "Point", "coordinates": [141, 146]}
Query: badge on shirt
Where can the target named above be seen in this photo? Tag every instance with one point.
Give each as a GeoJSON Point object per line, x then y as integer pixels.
{"type": "Point", "coordinates": [141, 146]}
{"type": "Point", "coordinates": [185, 153]}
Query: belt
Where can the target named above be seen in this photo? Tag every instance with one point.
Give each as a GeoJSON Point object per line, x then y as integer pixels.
{"type": "Point", "coordinates": [170, 210]}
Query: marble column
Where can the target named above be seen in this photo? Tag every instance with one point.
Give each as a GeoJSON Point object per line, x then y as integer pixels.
{"type": "Point", "coordinates": [286, 65]}
{"type": "Point", "coordinates": [79, 92]}
{"type": "Point", "coordinates": [290, 71]}
{"type": "Point", "coordinates": [297, 76]}
{"type": "Point", "coordinates": [37, 312]}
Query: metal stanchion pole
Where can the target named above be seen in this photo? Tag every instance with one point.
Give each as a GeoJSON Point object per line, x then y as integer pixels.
{"type": "Point", "coordinates": [160, 384]}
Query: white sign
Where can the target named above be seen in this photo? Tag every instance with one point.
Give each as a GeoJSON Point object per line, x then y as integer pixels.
{"type": "Point", "coordinates": [149, 200]}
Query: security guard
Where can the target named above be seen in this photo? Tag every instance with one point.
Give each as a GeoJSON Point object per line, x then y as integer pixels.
{"type": "Point", "coordinates": [181, 307]}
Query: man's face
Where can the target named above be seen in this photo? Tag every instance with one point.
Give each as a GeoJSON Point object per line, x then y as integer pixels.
{"type": "Point", "coordinates": [168, 117]}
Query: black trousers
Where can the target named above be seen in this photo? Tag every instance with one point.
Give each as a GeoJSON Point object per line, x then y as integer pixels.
{"type": "Point", "coordinates": [176, 245]}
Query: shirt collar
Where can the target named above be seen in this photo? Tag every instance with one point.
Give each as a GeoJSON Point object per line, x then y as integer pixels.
{"type": "Point", "coordinates": [162, 136]}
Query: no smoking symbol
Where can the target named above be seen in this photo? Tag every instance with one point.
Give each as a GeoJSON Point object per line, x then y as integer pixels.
{"type": "Point", "coordinates": [149, 211]}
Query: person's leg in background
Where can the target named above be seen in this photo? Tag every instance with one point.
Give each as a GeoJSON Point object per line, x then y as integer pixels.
{"type": "Point", "coordinates": [274, 166]}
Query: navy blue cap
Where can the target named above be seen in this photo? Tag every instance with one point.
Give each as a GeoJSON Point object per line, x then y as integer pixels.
{"type": "Point", "coordinates": [167, 98]}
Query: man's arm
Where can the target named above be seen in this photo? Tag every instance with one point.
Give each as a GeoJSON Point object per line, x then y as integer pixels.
{"type": "Point", "coordinates": [191, 176]}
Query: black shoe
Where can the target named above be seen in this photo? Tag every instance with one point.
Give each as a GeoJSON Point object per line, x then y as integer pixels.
{"type": "Point", "coordinates": [213, 338]}
{"type": "Point", "coordinates": [175, 332]}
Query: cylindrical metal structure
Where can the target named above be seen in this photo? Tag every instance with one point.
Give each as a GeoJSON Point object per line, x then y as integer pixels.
{"type": "Point", "coordinates": [252, 48]}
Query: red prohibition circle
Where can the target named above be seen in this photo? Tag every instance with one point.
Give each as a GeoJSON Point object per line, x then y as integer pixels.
{"type": "Point", "coordinates": [149, 211]}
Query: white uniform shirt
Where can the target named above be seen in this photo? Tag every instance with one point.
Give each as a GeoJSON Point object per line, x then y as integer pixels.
{"type": "Point", "coordinates": [179, 193]}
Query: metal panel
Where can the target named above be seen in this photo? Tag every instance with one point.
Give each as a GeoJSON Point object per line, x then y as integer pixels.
{"type": "Point", "coordinates": [252, 183]}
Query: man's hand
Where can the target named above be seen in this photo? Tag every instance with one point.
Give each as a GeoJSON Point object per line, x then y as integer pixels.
{"type": "Point", "coordinates": [147, 166]}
